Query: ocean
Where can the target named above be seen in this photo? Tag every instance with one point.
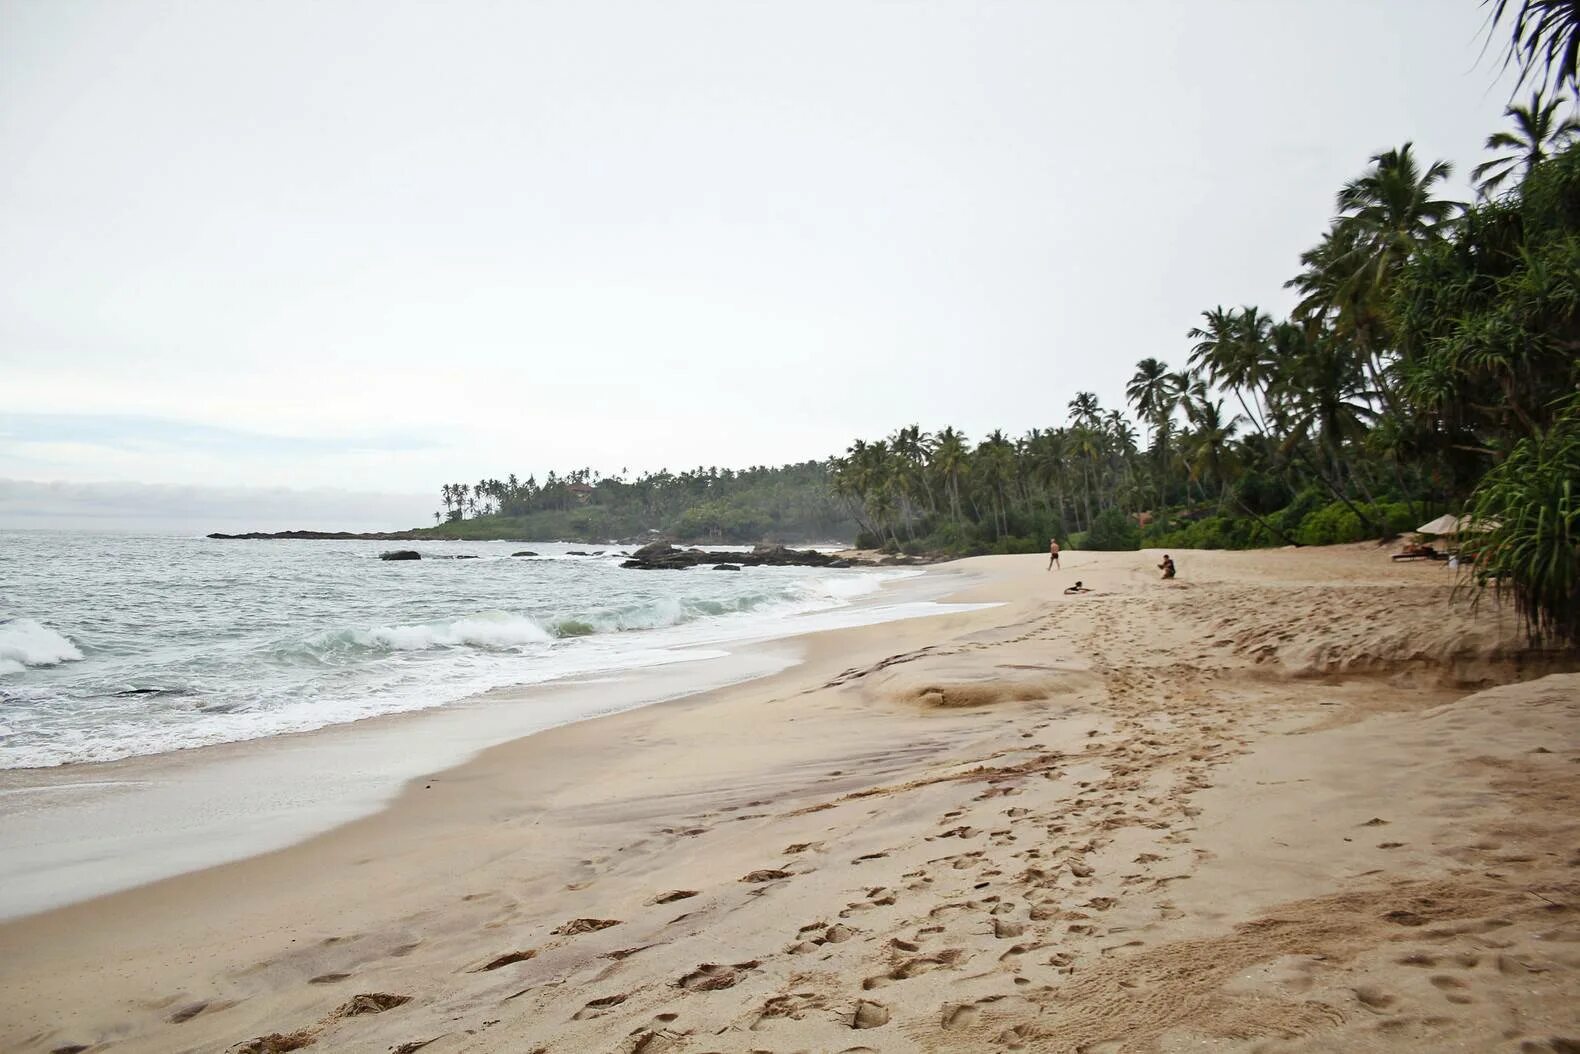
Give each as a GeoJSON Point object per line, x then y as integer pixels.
{"type": "Point", "coordinates": [119, 645]}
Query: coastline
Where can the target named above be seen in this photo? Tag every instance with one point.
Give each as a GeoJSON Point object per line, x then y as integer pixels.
{"type": "Point", "coordinates": [927, 835]}
{"type": "Point", "coordinates": [84, 830]}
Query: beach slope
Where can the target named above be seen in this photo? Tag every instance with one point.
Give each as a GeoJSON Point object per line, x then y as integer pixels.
{"type": "Point", "coordinates": [1289, 801]}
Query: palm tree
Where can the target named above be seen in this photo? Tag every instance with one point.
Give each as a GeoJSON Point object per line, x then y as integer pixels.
{"type": "Point", "coordinates": [950, 457]}
{"type": "Point", "coordinates": [1207, 453]}
{"type": "Point", "coordinates": [1232, 349]}
{"type": "Point", "coordinates": [1084, 409]}
{"type": "Point", "coordinates": [1149, 390]}
{"type": "Point", "coordinates": [1545, 33]}
{"type": "Point", "coordinates": [1392, 210]}
{"type": "Point", "coordinates": [1538, 133]}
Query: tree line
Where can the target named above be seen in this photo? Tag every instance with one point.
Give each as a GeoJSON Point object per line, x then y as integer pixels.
{"type": "Point", "coordinates": [783, 503]}
{"type": "Point", "coordinates": [1431, 363]}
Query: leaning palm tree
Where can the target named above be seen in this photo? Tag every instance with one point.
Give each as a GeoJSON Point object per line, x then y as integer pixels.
{"type": "Point", "coordinates": [1545, 34]}
{"type": "Point", "coordinates": [1392, 210]}
{"type": "Point", "coordinates": [1232, 349]}
{"type": "Point", "coordinates": [1538, 133]}
{"type": "Point", "coordinates": [1148, 390]}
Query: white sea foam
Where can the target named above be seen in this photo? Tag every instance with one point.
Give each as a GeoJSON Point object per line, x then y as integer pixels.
{"type": "Point", "coordinates": [24, 643]}
{"type": "Point", "coordinates": [488, 629]}
{"type": "Point", "coordinates": [255, 640]}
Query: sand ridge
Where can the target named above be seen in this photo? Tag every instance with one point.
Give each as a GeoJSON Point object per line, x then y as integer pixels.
{"type": "Point", "coordinates": [1263, 807]}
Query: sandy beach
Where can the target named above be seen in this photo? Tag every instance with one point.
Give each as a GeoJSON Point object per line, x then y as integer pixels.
{"type": "Point", "coordinates": [1290, 801]}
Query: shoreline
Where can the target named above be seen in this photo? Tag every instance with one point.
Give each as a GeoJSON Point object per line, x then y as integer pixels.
{"type": "Point", "coordinates": [1156, 816]}
{"type": "Point", "coordinates": [87, 829]}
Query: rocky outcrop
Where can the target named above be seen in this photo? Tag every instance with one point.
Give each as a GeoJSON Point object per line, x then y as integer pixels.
{"type": "Point", "coordinates": [525, 552]}
{"type": "Point", "coordinates": [661, 556]}
{"type": "Point", "coordinates": [401, 554]}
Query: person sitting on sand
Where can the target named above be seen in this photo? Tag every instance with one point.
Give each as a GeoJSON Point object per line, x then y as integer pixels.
{"type": "Point", "coordinates": [1167, 566]}
{"type": "Point", "coordinates": [1077, 588]}
{"type": "Point", "coordinates": [1053, 553]}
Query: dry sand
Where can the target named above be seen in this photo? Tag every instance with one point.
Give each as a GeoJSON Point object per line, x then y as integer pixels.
{"type": "Point", "coordinates": [1265, 807]}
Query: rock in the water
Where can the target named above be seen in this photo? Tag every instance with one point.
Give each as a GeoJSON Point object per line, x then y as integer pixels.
{"type": "Point", "coordinates": [525, 552]}
{"type": "Point", "coordinates": [401, 554]}
{"type": "Point", "coordinates": [575, 554]}
{"type": "Point", "coordinates": [869, 1015]}
{"type": "Point", "coordinates": [661, 556]}
{"type": "Point", "coordinates": [726, 567]}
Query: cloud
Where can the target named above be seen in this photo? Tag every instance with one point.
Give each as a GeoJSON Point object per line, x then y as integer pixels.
{"type": "Point", "coordinates": [199, 509]}
{"type": "Point", "coordinates": [90, 447]}
{"type": "Point", "coordinates": [124, 430]}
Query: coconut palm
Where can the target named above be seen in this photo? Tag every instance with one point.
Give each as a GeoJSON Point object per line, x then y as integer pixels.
{"type": "Point", "coordinates": [1544, 35]}
{"type": "Point", "coordinates": [1391, 210]}
{"type": "Point", "coordinates": [950, 459]}
{"type": "Point", "coordinates": [1538, 133]}
{"type": "Point", "coordinates": [1149, 390]}
{"type": "Point", "coordinates": [1207, 451]}
{"type": "Point", "coordinates": [1084, 409]}
{"type": "Point", "coordinates": [1232, 349]}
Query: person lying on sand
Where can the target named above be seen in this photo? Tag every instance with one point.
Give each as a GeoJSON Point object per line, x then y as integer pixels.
{"type": "Point", "coordinates": [1167, 566]}
{"type": "Point", "coordinates": [1077, 588]}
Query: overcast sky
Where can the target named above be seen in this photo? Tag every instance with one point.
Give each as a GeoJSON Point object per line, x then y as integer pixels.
{"type": "Point", "coordinates": [376, 246]}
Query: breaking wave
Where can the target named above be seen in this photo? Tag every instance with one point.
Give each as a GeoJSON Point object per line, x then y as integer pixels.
{"type": "Point", "coordinates": [24, 643]}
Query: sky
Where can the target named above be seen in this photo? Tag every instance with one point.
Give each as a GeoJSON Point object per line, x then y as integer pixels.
{"type": "Point", "coordinates": [357, 249]}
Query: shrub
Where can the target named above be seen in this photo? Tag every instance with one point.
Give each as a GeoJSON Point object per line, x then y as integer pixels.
{"type": "Point", "coordinates": [1531, 504]}
{"type": "Point", "coordinates": [1113, 531]}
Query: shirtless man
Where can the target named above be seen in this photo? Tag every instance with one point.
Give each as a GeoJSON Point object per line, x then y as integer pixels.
{"type": "Point", "coordinates": [1053, 553]}
{"type": "Point", "coordinates": [1167, 566]}
{"type": "Point", "coordinates": [1077, 588]}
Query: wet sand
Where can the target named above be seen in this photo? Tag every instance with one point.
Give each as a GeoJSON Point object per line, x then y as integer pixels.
{"type": "Point", "coordinates": [1270, 806]}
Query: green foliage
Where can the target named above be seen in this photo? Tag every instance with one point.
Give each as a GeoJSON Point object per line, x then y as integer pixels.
{"type": "Point", "coordinates": [1434, 347]}
{"type": "Point", "coordinates": [1211, 532]}
{"type": "Point", "coordinates": [1330, 525]}
{"type": "Point", "coordinates": [789, 503]}
{"type": "Point", "coordinates": [1532, 550]}
{"type": "Point", "coordinates": [1112, 531]}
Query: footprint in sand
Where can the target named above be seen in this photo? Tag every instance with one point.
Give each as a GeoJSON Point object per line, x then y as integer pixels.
{"type": "Point", "coordinates": [712, 977]}
{"type": "Point", "coordinates": [672, 896]}
{"type": "Point", "coordinates": [509, 958]}
{"type": "Point", "coordinates": [959, 1016]}
{"type": "Point", "coordinates": [596, 1007]}
{"type": "Point", "coordinates": [575, 926]}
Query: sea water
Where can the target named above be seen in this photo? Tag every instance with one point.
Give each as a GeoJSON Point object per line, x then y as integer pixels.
{"type": "Point", "coordinates": [116, 645]}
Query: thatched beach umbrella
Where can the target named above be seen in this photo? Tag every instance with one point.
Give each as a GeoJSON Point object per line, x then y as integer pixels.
{"type": "Point", "coordinates": [1444, 524]}
{"type": "Point", "coordinates": [1454, 525]}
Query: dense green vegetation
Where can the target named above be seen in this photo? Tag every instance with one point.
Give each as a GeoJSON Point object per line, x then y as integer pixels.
{"type": "Point", "coordinates": [789, 503]}
{"type": "Point", "coordinates": [1429, 338]}
{"type": "Point", "coordinates": [1429, 365]}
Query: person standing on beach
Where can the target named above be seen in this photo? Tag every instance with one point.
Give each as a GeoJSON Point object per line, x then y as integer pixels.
{"type": "Point", "coordinates": [1053, 553]}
